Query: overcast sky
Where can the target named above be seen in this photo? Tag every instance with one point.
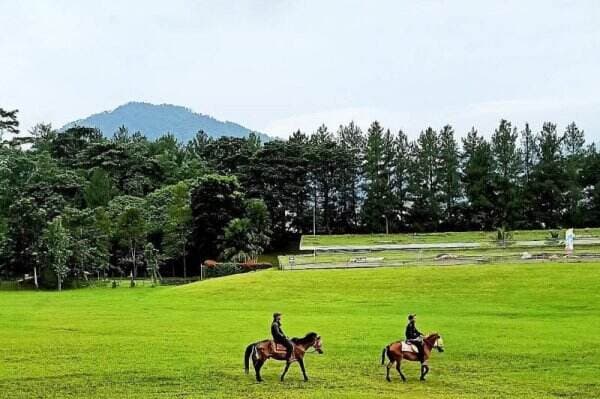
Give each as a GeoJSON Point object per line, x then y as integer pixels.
{"type": "Point", "coordinates": [278, 66]}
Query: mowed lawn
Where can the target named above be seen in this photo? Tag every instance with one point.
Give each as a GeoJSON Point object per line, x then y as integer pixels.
{"type": "Point", "coordinates": [510, 331]}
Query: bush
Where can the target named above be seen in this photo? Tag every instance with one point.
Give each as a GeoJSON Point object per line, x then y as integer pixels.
{"type": "Point", "coordinates": [227, 269]}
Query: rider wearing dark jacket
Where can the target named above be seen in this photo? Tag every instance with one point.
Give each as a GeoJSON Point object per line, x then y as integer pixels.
{"type": "Point", "coordinates": [414, 336]}
{"type": "Point", "coordinates": [279, 336]}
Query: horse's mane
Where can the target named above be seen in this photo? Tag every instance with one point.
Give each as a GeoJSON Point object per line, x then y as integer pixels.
{"type": "Point", "coordinates": [309, 337]}
{"type": "Point", "coordinates": [433, 334]}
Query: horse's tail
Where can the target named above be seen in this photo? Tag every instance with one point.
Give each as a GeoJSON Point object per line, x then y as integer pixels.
{"type": "Point", "coordinates": [385, 350]}
{"type": "Point", "coordinates": [249, 350]}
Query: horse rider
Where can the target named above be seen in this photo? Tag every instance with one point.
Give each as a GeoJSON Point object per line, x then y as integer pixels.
{"type": "Point", "coordinates": [414, 336]}
{"type": "Point", "coordinates": [279, 336]}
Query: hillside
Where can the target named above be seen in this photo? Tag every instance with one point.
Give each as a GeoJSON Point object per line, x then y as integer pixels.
{"type": "Point", "coordinates": [155, 120]}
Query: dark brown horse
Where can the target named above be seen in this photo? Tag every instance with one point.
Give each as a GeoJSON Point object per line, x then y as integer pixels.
{"type": "Point", "coordinates": [395, 354]}
{"type": "Point", "coordinates": [263, 350]}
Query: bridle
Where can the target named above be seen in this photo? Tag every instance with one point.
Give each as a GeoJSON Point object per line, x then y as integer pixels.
{"type": "Point", "coordinates": [316, 346]}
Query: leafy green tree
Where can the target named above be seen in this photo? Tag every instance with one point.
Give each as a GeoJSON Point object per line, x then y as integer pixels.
{"type": "Point", "coordinates": [246, 238]}
{"type": "Point", "coordinates": [179, 223]}
{"type": "Point", "coordinates": [278, 174]}
{"type": "Point", "coordinates": [99, 190]}
{"type": "Point", "coordinates": [57, 249]}
{"type": "Point", "coordinates": [131, 227]}
{"type": "Point", "coordinates": [153, 259]}
{"type": "Point", "coordinates": [215, 201]}
{"type": "Point", "coordinates": [260, 226]}
{"type": "Point", "coordinates": [236, 241]}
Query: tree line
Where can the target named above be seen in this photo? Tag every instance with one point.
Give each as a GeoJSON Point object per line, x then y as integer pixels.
{"type": "Point", "coordinates": [76, 203]}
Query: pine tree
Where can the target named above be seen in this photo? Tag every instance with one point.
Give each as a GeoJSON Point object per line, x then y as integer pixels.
{"type": "Point", "coordinates": [477, 172]}
{"type": "Point", "coordinates": [573, 142]}
{"type": "Point", "coordinates": [401, 177]}
{"type": "Point", "coordinates": [425, 186]}
{"type": "Point", "coordinates": [8, 122]}
{"type": "Point", "coordinates": [549, 178]}
{"type": "Point", "coordinates": [507, 165]}
{"type": "Point", "coordinates": [449, 176]}
{"type": "Point", "coordinates": [378, 207]}
{"type": "Point", "coordinates": [351, 143]}
{"type": "Point", "coordinates": [528, 152]}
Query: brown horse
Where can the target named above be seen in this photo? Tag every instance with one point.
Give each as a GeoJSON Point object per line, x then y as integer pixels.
{"type": "Point", "coordinates": [263, 350]}
{"type": "Point", "coordinates": [395, 354]}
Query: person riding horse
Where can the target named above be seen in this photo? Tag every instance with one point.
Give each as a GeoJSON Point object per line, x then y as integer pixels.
{"type": "Point", "coordinates": [279, 336]}
{"type": "Point", "coordinates": [414, 336]}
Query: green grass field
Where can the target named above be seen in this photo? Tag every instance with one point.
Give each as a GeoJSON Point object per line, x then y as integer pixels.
{"type": "Point", "coordinates": [433, 238]}
{"type": "Point", "coordinates": [510, 331]}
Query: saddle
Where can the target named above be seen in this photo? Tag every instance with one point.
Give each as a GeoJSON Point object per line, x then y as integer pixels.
{"type": "Point", "coordinates": [280, 349]}
{"type": "Point", "coordinates": [406, 347]}
{"type": "Point", "coordinates": [275, 347]}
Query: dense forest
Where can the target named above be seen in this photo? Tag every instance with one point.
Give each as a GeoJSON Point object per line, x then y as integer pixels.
{"type": "Point", "coordinates": [76, 202]}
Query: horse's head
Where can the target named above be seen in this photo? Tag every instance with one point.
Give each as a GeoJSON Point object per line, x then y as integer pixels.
{"type": "Point", "coordinates": [318, 345]}
{"type": "Point", "coordinates": [438, 342]}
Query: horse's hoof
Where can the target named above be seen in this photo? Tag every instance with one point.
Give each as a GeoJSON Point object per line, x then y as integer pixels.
{"type": "Point", "coordinates": [389, 379]}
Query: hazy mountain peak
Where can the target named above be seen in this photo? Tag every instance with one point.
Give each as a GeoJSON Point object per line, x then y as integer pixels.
{"type": "Point", "coordinates": [155, 120]}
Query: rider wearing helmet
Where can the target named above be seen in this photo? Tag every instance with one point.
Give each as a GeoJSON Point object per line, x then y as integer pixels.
{"type": "Point", "coordinates": [414, 336]}
{"type": "Point", "coordinates": [279, 336]}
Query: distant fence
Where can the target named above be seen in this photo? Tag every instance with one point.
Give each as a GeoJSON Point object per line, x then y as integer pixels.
{"type": "Point", "coordinates": [372, 259]}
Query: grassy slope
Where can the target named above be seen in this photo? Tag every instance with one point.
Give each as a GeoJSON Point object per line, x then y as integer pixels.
{"type": "Point", "coordinates": [450, 237]}
{"type": "Point", "coordinates": [428, 255]}
{"type": "Point", "coordinates": [510, 331]}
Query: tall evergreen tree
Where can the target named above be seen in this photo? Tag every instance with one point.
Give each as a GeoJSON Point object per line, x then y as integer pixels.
{"type": "Point", "coordinates": [351, 143]}
{"type": "Point", "coordinates": [477, 174]}
{"type": "Point", "coordinates": [378, 205]}
{"type": "Point", "coordinates": [507, 165]}
{"type": "Point", "coordinates": [449, 177]}
{"type": "Point", "coordinates": [528, 153]}
{"type": "Point", "coordinates": [573, 142]}
{"type": "Point", "coordinates": [401, 177]}
{"type": "Point", "coordinates": [425, 184]}
{"type": "Point", "coordinates": [323, 156]}
{"type": "Point", "coordinates": [549, 178]}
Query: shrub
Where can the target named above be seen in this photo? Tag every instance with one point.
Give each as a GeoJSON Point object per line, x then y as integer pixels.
{"type": "Point", "coordinates": [227, 269]}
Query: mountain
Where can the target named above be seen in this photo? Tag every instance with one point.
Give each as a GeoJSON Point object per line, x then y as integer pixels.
{"type": "Point", "coordinates": [156, 120]}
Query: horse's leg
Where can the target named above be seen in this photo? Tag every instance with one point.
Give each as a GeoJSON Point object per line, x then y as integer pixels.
{"type": "Point", "coordinates": [285, 370]}
{"type": "Point", "coordinates": [424, 371]}
{"type": "Point", "coordinates": [257, 365]}
{"type": "Point", "coordinates": [388, 367]}
{"type": "Point", "coordinates": [301, 363]}
{"type": "Point", "coordinates": [400, 371]}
